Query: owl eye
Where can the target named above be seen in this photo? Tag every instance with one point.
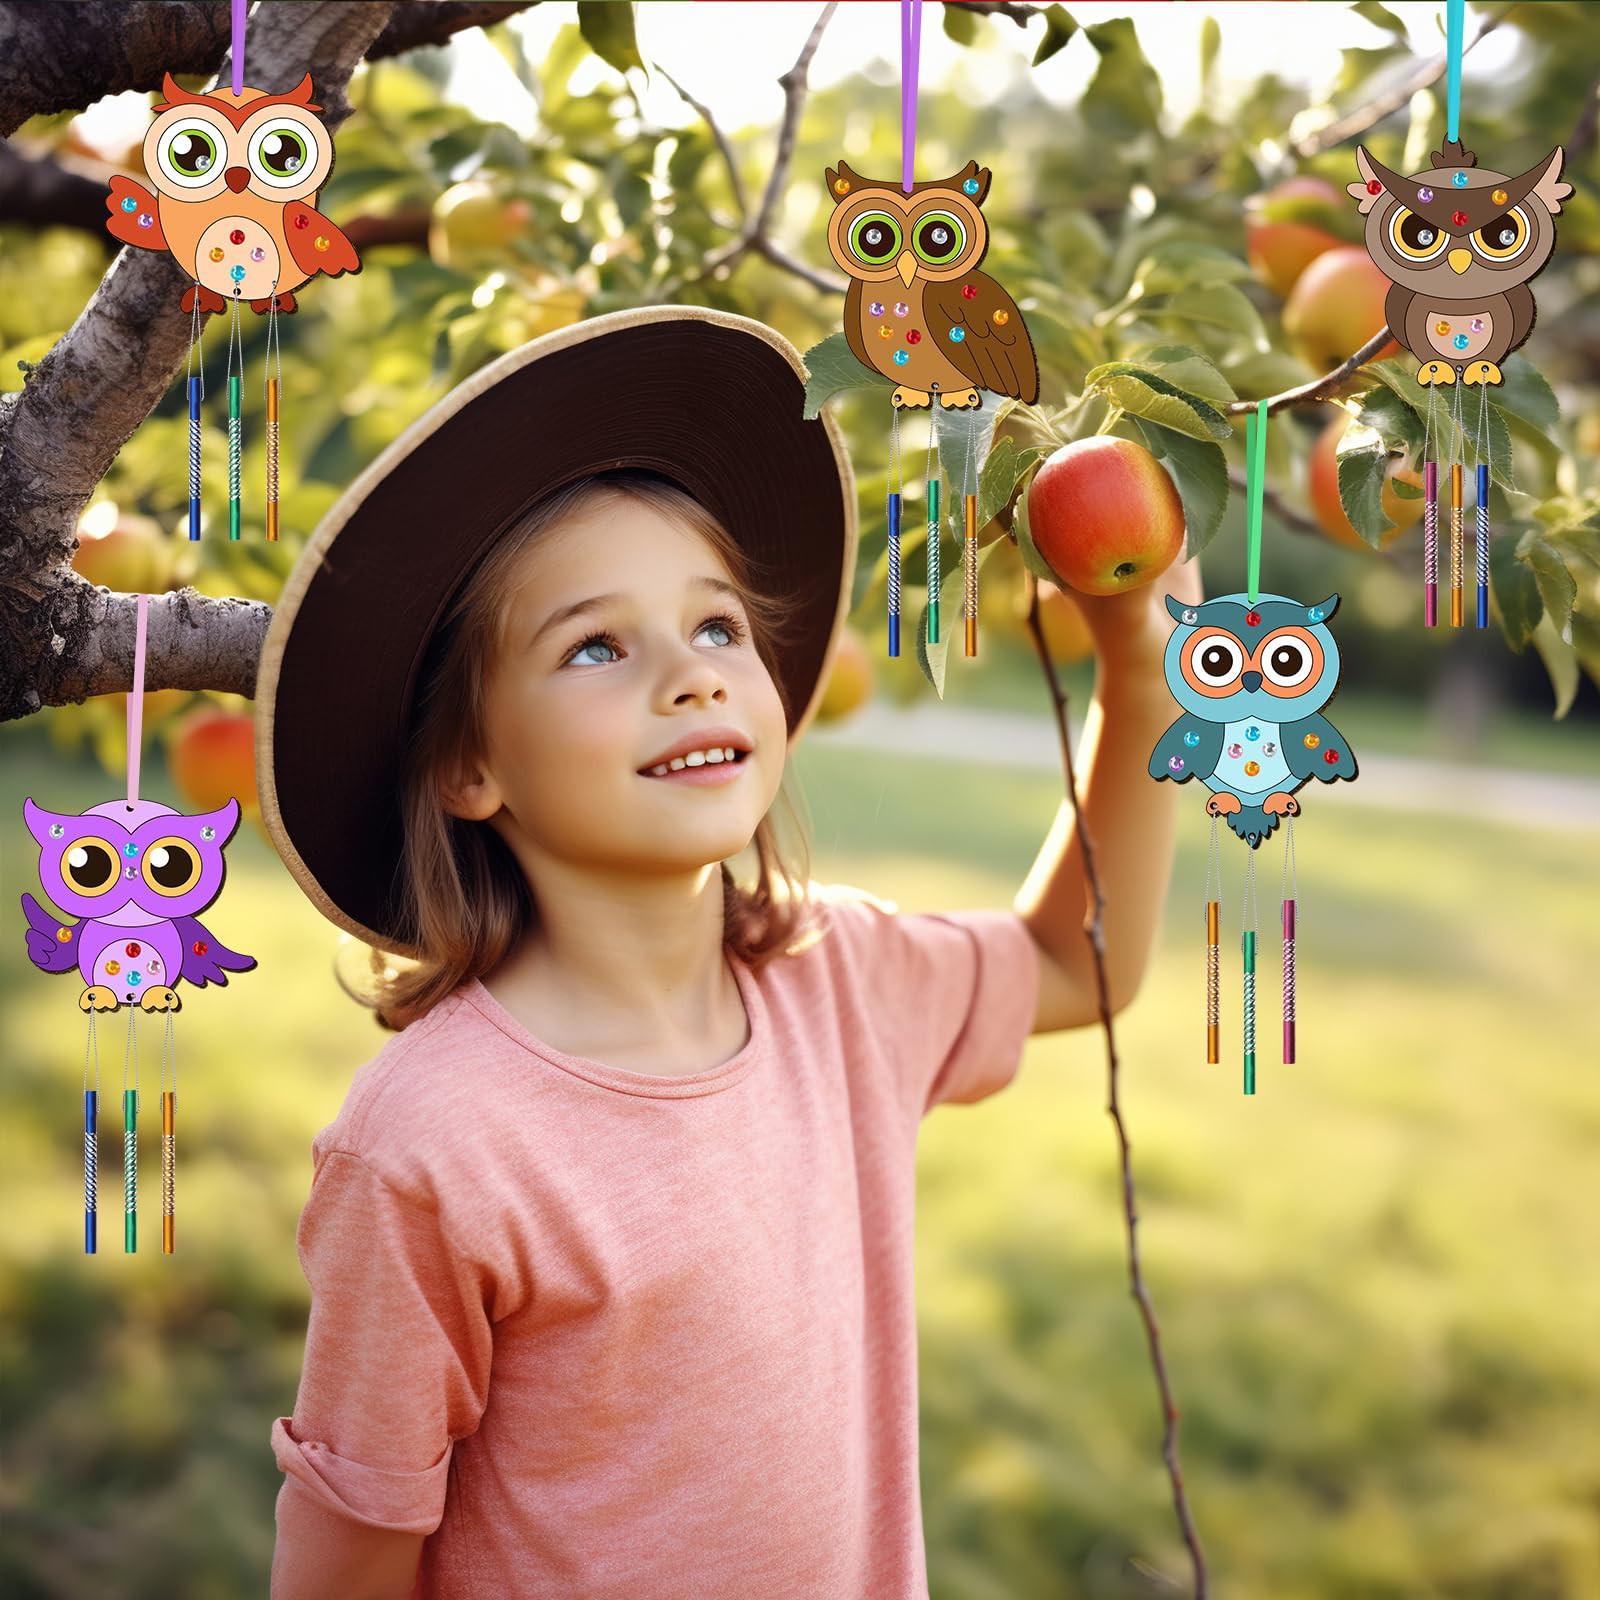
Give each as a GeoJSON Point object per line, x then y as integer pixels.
{"type": "Point", "coordinates": [171, 866]}
{"type": "Point", "coordinates": [1216, 659]}
{"type": "Point", "coordinates": [1503, 238]}
{"type": "Point", "coordinates": [190, 153]}
{"type": "Point", "coordinates": [875, 238]}
{"type": "Point", "coordinates": [282, 151]}
{"type": "Point", "coordinates": [90, 866]}
{"type": "Point", "coordinates": [939, 237]}
{"type": "Point", "coordinates": [1286, 661]}
{"type": "Point", "coordinates": [1415, 237]}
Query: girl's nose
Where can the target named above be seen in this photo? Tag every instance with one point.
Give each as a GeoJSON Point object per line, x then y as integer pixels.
{"type": "Point", "coordinates": [1251, 680]}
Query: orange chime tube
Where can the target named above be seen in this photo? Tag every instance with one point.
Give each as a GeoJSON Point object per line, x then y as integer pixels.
{"type": "Point", "coordinates": [970, 573]}
{"type": "Point", "coordinates": [1457, 537]}
{"type": "Point", "coordinates": [1213, 982]}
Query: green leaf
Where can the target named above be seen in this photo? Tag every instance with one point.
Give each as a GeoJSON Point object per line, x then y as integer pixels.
{"type": "Point", "coordinates": [1223, 304]}
{"type": "Point", "coordinates": [1028, 550]}
{"type": "Point", "coordinates": [1516, 593]}
{"type": "Point", "coordinates": [1193, 373]}
{"type": "Point", "coordinates": [1123, 99]}
{"type": "Point", "coordinates": [1449, 441]}
{"type": "Point", "coordinates": [1142, 393]}
{"type": "Point", "coordinates": [607, 28]}
{"type": "Point", "coordinates": [1393, 420]}
{"type": "Point", "coordinates": [1561, 662]}
{"type": "Point", "coordinates": [831, 368]}
{"type": "Point", "coordinates": [1556, 586]}
{"type": "Point", "coordinates": [1006, 464]}
{"type": "Point", "coordinates": [1362, 463]}
{"type": "Point", "coordinates": [1058, 28]}
{"type": "Point", "coordinates": [1525, 394]}
{"type": "Point", "coordinates": [959, 23]}
{"type": "Point", "coordinates": [1199, 470]}
{"type": "Point", "coordinates": [1184, 264]}
{"type": "Point", "coordinates": [1210, 46]}
{"type": "Point", "coordinates": [1380, 16]}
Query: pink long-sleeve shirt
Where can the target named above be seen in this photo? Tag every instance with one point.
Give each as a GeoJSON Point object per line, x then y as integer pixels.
{"type": "Point", "coordinates": [611, 1336]}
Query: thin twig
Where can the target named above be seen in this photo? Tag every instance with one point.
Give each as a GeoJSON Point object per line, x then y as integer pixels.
{"type": "Point", "coordinates": [1271, 500]}
{"type": "Point", "coordinates": [1094, 927]}
{"type": "Point", "coordinates": [721, 138]}
{"type": "Point", "coordinates": [1318, 388]}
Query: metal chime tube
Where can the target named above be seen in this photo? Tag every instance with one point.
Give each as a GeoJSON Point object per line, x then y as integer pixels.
{"type": "Point", "coordinates": [1248, 943]}
{"type": "Point", "coordinates": [130, 1170]}
{"type": "Point", "coordinates": [894, 572]}
{"type": "Point", "coordinates": [272, 458]}
{"type": "Point", "coordinates": [233, 455]}
{"type": "Point", "coordinates": [1213, 982]}
{"type": "Point", "coordinates": [169, 1102]}
{"type": "Point", "coordinates": [1430, 544]}
{"type": "Point", "coordinates": [194, 458]}
{"type": "Point", "coordinates": [1456, 540]}
{"type": "Point", "coordinates": [91, 1204]}
{"type": "Point", "coordinates": [1483, 545]}
{"type": "Point", "coordinates": [969, 564]}
{"type": "Point", "coordinates": [933, 561]}
{"type": "Point", "coordinates": [1288, 980]}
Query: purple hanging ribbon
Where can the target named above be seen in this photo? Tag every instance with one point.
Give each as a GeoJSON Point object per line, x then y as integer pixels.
{"type": "Point", "coordinates": [910, 49]}
{"type": "Point", "coordinates": [239, 8]}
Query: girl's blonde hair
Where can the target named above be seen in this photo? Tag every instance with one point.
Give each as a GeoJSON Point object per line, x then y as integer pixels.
{"type": "Point", "coordinates": [466, 903]}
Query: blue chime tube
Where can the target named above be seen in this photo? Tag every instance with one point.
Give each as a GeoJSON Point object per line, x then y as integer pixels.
{"type": "Point", "coordinates": [90, 1146]}
{"type": "Point", "coordinates": [1249, 947]}
{"type": "Point", "coordinates": [194, 458]}
{"type": "Point", "coordinates": [1483, 545]}
{"type": "Point", "coordinates": [894, 573]}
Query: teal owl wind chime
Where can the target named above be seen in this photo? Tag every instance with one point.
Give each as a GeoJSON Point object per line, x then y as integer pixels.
{"type": "Point", "coordinates": [236, 177]}
{"type": "Point", "coordinates": [918, 311]}
{"type": "Point", "coordinates": [1252, 673]}
{"type": "Point", "coordinates": [130, 878]}
{"type": "Point", "coordinates": [1459, 244]}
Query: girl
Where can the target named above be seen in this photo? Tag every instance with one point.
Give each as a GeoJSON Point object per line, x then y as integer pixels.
{"type": "Point", "coordinates": [610, 1247]}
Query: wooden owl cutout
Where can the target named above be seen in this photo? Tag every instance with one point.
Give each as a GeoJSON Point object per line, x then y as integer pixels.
{"type": "Point", "coordinates": [1459, 244]}
{"type": "Point", "coordinates": [236, 182]}
{"type": "Point", "coordinates": [917, 309]}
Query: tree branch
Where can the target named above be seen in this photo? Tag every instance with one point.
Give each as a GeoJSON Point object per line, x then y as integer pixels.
{"type": "Point", "coordinates": [1094, 928]}
{"type": "Point", "coordinates": [47, 194]}
{"type": "Point", "coordinates": [1318, 388]}
{"type": "Point", "coordinates": [1271, 500]}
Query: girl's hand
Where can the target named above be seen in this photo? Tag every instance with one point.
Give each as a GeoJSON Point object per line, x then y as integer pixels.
{"type": "Point", "coordinates": [1135, 626]}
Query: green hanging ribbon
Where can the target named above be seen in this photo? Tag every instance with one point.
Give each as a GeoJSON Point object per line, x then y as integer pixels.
{"type": "Point", "coordinates": [1255, 453]}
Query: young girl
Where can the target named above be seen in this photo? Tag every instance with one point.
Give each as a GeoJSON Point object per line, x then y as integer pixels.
{"type": "Point", "coordinates": [610, 1247]}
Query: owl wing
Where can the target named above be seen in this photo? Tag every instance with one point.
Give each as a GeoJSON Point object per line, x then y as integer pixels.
{"type": "Point", "coordinates": [1312, 761]}
{"type": "Point", "coordinates": [852, 326]}
{"type": "Point", "coordinates": [123, 224]}
{"type": "Point", "coordinates": [995, 355]}
{"type": "Point", "coordinates": [340, 256]}
{"type": "Point", "coordinates": [1198, 760]}
{"type": "Point", "coordinates": [48, 951]}
{"type": "Point", "coordinates": [213, 961]}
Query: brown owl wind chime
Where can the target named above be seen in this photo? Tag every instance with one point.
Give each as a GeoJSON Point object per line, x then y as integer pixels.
{"type": "Point", "coordinates": [236, 173]}
{"type": "Point", "coordinates": [1459, 243]}
{"type": "Point", "coordinates": [918, 311]}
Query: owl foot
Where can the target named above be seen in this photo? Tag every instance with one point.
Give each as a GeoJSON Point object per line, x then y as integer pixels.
{"type": "Point", "coordinates": [97, 998]}
{"type": "Point", "coordinates": [1440, 372]}
{"type": "Point", "coordinates": [911, 397]}
{"type": "Point", "coordinates": [209, 299]}
{"type": "Point", "coordinates": [159, 998]}
{"type": "Point", "coordinates": [1281, 805]}
{"type": "Point", "coordinates": [1481, 372]}
{"type": "Point", "coordinates": [1219, 805]}
{"type": "Point", "coordinates": [961, 400]}
{"type": "Point", "coordinates": [279, 302]}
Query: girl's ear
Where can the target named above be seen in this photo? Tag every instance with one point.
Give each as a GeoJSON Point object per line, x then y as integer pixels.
{"type": "Point", "coordinates": [470, 793]}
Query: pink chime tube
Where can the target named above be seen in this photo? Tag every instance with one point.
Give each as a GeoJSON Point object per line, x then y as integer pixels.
{"type": "Point", "coordinates": [1430, 544]}
{"type": "Point", "coordinates": [1288, 980]}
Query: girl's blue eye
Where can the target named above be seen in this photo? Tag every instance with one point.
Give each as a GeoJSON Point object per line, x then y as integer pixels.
{"type": "Point", "coordinates": [728, 623]}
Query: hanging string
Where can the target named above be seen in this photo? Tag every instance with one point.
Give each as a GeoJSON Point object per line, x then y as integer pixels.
{"type": "Point", "coordinates": [1455, 15]}
{"type": "Point", "coordinates": [894, 530]}
{"type": "Point", "coordinates": [130, 1140]}
{"type": "Point", "coordinates": [934, 550]}
{"type": "Point", "coordinates": [237, 53]}
{"type": "Point", "coordinates": [1247, 943]}
{"type": "Point", "coordinates": [1486, 453]}
{"type": "Point", "coordinates": [1213, 893]}
{"type": "Point", "coordinates": [195, 372]}
{"type": "Point", "coordinates": [910, 51]}
{"type": "Point", "coordinates": [91, 1140]}
{"type": "Point", "coordinates": [1255, 448]}
{"type": "Point", "coordinates": [1290, 901]}
{"type": "Point", "coordinates": [1430, 518]}
{"type": "Point", "coordinates": [169, 1106]}
{"type": "Point", "coordinates": [969, 549]}
{"type": "Point", "coordinates": [135, 697]}
{"type": "Point", "coordinates": [235, 380]}
{"type": "Point", "coordinates": [274, 365]}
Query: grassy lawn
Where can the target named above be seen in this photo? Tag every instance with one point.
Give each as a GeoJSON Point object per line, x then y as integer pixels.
{"type": "Point", "coordinates": [1377, 1279]}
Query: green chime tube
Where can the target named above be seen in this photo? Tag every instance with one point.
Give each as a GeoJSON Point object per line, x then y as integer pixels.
{"type": "Point", "coordinates": [233, 455]}
{"type": "Point", "coordinates": [130, 1170]}
{"type": "Point", "coordinates": [933, 561]}
{"type": "Point", "coordinates": [1249, 1011]}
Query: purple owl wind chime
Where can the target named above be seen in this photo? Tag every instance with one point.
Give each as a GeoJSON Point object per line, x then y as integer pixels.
{"type": "Point", "coordinates": [137, 874]}
{"type": "Point", "coordinates": [236, 176]}
{"type": "Point", "coordinates": [1252, 673]}
{"type": "Point", "coordinates": [918, 311]}
{"type": "Point", "coordinates": [1459, 244]}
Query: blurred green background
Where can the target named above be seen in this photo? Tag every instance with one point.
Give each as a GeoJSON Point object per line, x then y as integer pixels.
{"type": "Point", "coordinates": [1379, 1279]}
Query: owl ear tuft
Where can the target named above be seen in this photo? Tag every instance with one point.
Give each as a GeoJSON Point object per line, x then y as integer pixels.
{"type": "Point", "coordinates": [983, 176]}
{"type": "Point", "coordinates": [1326, 607]}
{"type": "Point", "coordinates": [1359, 191]}
{"type": "Point", "coordinates": [842, 183]}
{"type": "Point", "coordinates": [224, 819]}
{"type": "Point", "coordinates": [1176, 607]}
{"type": "Point", "coordinates": [1550, 188]}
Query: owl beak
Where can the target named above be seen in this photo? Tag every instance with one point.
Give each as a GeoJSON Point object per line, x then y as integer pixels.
{"type": "Point", "coordinates": [1459, 260]}
{"type": "Point", "coordinates": [237, 178]}
{"type": "Point", "coordinates": [906, 266]}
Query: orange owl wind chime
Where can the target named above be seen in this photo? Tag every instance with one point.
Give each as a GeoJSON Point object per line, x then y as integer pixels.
{"type": "Point", "coordinates": [1459, 244]}
{"type": "Point", "coordinates": [918, 311]}
{"type": "Point", "coordinates": [236, 174]}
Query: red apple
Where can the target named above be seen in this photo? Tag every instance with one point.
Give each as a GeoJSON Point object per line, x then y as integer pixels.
{"type": "Point", "coordinates": [1324, 485]}
{"type": "Point", "coordinates": [1105, 515]}
{"type": "Point", "coordinates": [212, 755]}
{"type": "Point", "coordinates": [1281, 240]}
{"type": "Point", "coordinates": [1335, 307]}
{"type": "Point", "coordinates": [122, 550]}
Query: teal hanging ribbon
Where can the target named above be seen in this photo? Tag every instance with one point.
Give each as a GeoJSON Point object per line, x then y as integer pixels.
{"type": "Point", "coordinates": [1455, 15]}
{"type": "Point", "coordinates": [1255, 456]}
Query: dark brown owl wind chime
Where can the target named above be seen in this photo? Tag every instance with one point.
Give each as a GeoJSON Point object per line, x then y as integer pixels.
{"type": "Point", "coordinates": [236, 174]}
{"type": "Point", "coordinates": [918, 311]}
{"type": "Point", "coordinates": [1459, 244]}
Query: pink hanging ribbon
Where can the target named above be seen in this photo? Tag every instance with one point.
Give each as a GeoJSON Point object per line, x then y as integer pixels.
{"type": "Point", "coordinates": [910, 50]}
{"type": "Point", "coordinates": [136, 701]}
{"type": "Point", "coordinates": [239, 9]}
